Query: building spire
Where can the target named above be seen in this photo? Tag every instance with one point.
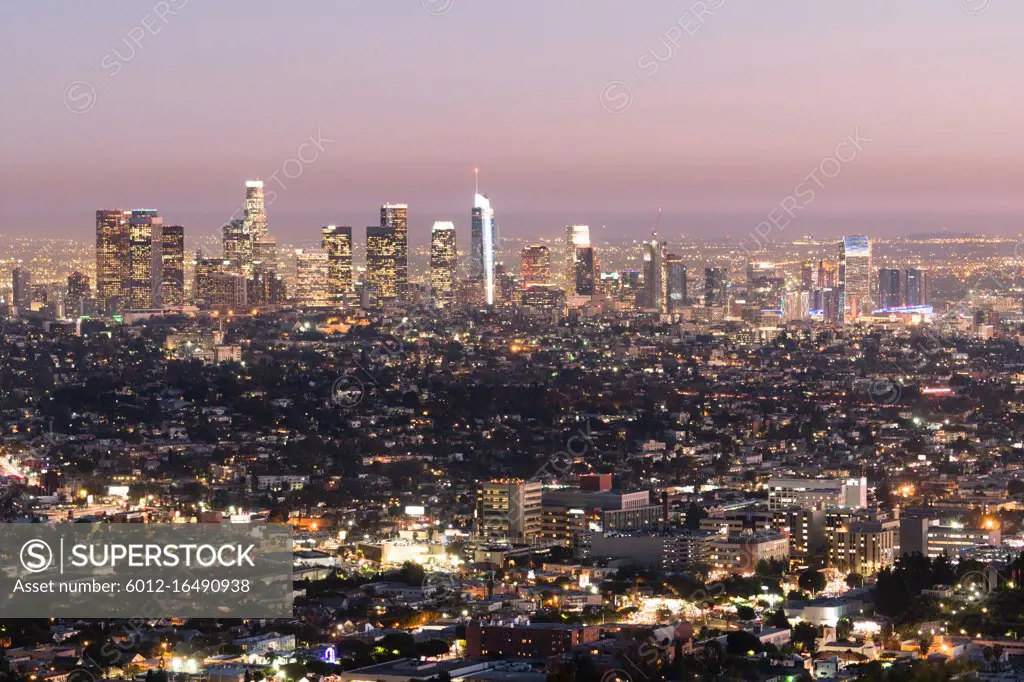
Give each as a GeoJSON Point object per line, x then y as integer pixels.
{"type": "Point", "coordinates": [476, 181]}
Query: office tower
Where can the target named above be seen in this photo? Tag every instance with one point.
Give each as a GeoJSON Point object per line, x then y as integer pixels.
{"type": "Point", "coordinates": [238, 245]}
{"type": "Point", "coordinates": [506, 286]}
{"type": "Point", "coordinates": [586, 271]}
{"type": "Point", "coordinates": [482, 246]}
{"type": "Point", "coordinates": [807, 276]}
{"type": "Point", "coordinates": [255, 216]}
{"type": "Point", "coordinates": [889, 295]}
{"type": "Point", "coordinates": [170, 275]}
{"type": "Point", "coordinates": [251, 245]}
{"type": "Point", "coordinates": [337, 243]}
{"type": "Point", "coordinates": [219, 284]}
{"type": "Point", "coordinates": [536, 265]}
{"type": "Point", "coordinates": [265, 287]}
{"type": "Point", "coordinates": [854, 277]}
{"type": "Point", "coordinates": [654, 297]}
{"type": "Point", "coordinates": [395, 217]}
{"type": "Point", "coordinates": [78, 292]}
{"type": "Point", "coordinates": [145, 230]}
{"type": "Point", "coordinates": [443, 261]}
{"type": "Point", "coordinates": [828, 274]}
{"type": "Point", "coordinates": [381, 262]}
{"type": "Point", "coordinates": [509, 510]}
{"type": "Point", "coordinates": [112, 259]}
{"type": "Point", "coordinates": [576, 237]}
{"type": "Point", "coordinates": [715, 287]}
{"type": "Point", "coordinates": [21, 283]}
{"type": "Point", "coordinates": [312, 271]}
{"type": "Point", "coordinates": [675, 283]}
{"type": "Point", "coordinates": [917, 287]}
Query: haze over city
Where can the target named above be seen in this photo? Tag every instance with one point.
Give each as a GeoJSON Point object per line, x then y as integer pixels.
{"type": "Point", "coordinates": [599, 112]}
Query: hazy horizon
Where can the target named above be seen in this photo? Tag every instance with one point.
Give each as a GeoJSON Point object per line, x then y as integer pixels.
{"type": "Point", "coordinates": [598, 112]}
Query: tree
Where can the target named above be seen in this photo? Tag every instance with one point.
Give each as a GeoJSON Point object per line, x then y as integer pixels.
{"type": "Point", "coordinates": [805, 635]}
{"type": "Point", "coordinates": [812, 581]}
{"type": "Point", "coordinates": [745, 612]}
{"type": "Point", "coordinates": [844, 628]}
{"type": "Point", "coordinates": [777, 619]}
{"type": "Point", "coordinates": [854, 580]}
{"type": "Point", "coordinates": [924, 644]}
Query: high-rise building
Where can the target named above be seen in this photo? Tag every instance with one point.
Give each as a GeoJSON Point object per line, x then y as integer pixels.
{"type": "Point", "coordinates": [396, 218]}
{"type": "Point", "coordinates": [655, 292]}
{"type": "Point", "coordinates": [715, 288]}
{"type": "Point", "coordinates": [255, 209]}
{"type": "Point", "coordinates": [381, 262]}
{"type": "Point", "coordinates": [483, 246]}
{"type": "Point", "coordinates": [854, 277]}
{"type": "Point", "coordinates": [170, 278]}
{"type": "Point", "coordinates": [261, 251]}
{"type": "Point", "coordinates": [917, 287]}
{"type": "Point", "coordinates": [219, 284]}
{"type": "Point", "coordinates": [21, 283]}
{"type": "Point", "coordinates": [889, 294]}
{"type": "Point", "coordinates": [145, 231]}
{"type": "Point", "coordinates": [576, 237]}
{"type": "Point", "coordinates": [586, 271]}
{"type": "Point", "coordinates": [535, 267]}
{"type": "Point", "coordinates": [238, 245]}
{"type": "Point", "coordinates": [509, 510]}
{"type": "Point", "coordinates": [337, 242]}
{"type": "Point", "coordinates": [675, 283]}
{"type": "Point", "coordinates": [443, 261]}
{"type": "Point", "coordinates": [78, 292]}
{"type": "Point", "coordinates": [828, 274]}
{"type": "Point", "coordinates": [312, 271]}
{"type": "Point", "coordinates": [113, 261]}
{"type": "Point", "coordinates": [807, 276]}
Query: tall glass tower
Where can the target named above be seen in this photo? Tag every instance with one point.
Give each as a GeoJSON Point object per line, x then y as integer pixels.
{"type": "Point", "coordinates": [482, 256]}
{"type": "Point", "coordinates": [854, 277]}
{"type": "Point", "coordinates": [443, 261]}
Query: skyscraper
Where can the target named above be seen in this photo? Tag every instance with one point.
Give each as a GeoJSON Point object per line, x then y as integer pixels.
{"type": "Point", "coordinates": [21, 283]}
{"type": "Point", "coordinates": [112, 258]}
{"type": "Point", "coordinates": [382, 262]}
{"type": "Point", "coordinates": [586, 271]}
{"type": "Point", "coordinates": [238, 245]}
{"type": "Point", "coordinates": [654, 275]}
{"type": "Point", "coordinates": [312, 271]}
{"type": "Point", "coordinates": [337, 242]}
{"type": "Point", "coordinates": [675, 283]}
{"type": "Point", "coordinates": [536, 265]}
{"type": "Point", "coordinates": [170, 289]}
{"type": "Point", "coordinates": [219, 284]}
{"type": "Point", "coordinates": [854, 277]}
{"type": "Point", "coordinates": [482, 247]}
{"type": "Point", "coordinates": [889, 295]}
{"type": "Point", "coordinates": [807, 276]}
{"type": "Point", "coordinates": [443, 261]}
{"type": "Point", "coordinates": [261, 251]}
{"type": "Point", "coordinates": [255, 210]}
{"type": "Point", "coordinates": [576, 237]}
{"type": "Point", "coordinates": [715, 284]}
{"type": "Point", "coordinates": [78, 292]}
{"type": "Point", "coordinates": [917, 287]}
{"type": "Point", "coordinates": [145, 230]}
{"type": "Point", "coordinates": [395, 217]}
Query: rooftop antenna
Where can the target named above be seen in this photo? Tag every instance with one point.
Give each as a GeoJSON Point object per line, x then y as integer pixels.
{"type": "Point", "coordinates": [657, 224]}
{"type": "Point", "coordinates": [476, 179]}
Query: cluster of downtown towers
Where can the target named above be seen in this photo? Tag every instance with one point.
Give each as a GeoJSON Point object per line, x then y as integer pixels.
{"type": "Point", "coordinates": [140, 265]}
{"type": "Point", "coordinates": [140, 262]}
